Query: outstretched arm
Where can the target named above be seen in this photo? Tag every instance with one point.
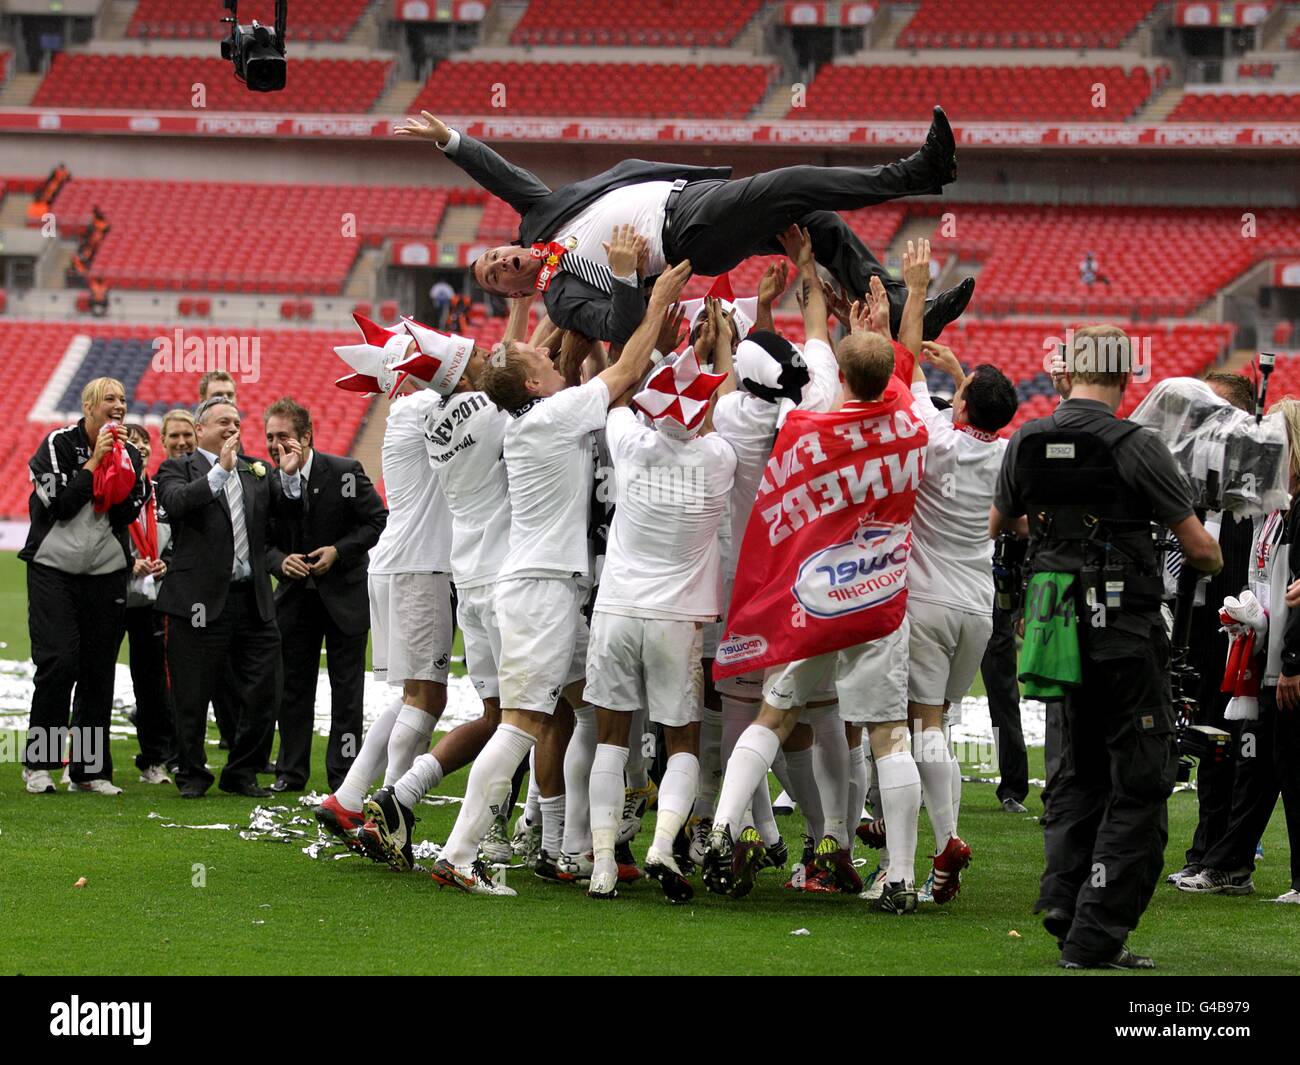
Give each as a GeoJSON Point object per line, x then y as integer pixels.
{"type": "Point", "coordinates": [518, 187]}
{"type": "Point", "coordinates": [798, 245]}
{"type": "Point", "coordinates": [634, 363]}
{"type": "Point", "coordinates": [770, 289]}
{"type": "Point", "coordinates": [916, 275]}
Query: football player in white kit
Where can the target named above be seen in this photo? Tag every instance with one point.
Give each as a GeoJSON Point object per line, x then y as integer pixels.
{"type": "Point", "coordinates": [464, 434]}
{"type": "Point", "coordinates": [950, 582]}
{"type": "Point", "coordinates": [770, 379]}
{"type": "Point", "coordinates": [409, 584]}
{"type": "Point", "coordinates": [661, 583]}
{"type": "Point", "coordinates": [545, 576]}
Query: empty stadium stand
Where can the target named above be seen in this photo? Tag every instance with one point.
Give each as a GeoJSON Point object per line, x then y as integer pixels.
{"type": "Point", "coordinates": [1238, 107]}
{"type": "Point", "coordinates": [1159, 261]}
{"type": "Point", "coordinates": [979, 93]}
{"type": "Point", "coordinates": [320, 20]}
{"type": "Point", "coordinates": [634, 22]}
{"type": "Point", "coordinates": [1022, 24]}
{"type": "Point", "coordinates": [167, 82]}
{"type": "Point", "coordinates": [600, 90]}
{"type": "Point", "coordinates": [214, 236]}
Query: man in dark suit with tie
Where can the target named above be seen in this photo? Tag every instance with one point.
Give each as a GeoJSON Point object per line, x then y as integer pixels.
{"type": "Point", "coordinates": [690, 213]}
{"type": "Point", "coordinates": [217, 596]}
{"type": "Point", "coordinates": [321, 560]}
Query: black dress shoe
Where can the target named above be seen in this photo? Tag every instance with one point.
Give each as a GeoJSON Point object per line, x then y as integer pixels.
{"type": "Point", "coordinates": [193, 791]}
{"type": "Point", "coordinates": [946, 307]}
{"type": "Point", "coordinates": [268, 770]}
{"type": "Point", "coordinates": [1056, 923]}
{"type": "Point", "coordinates": [250, 791]}
{"type": "Point", "coordinates": [941, 148]}
{"type": "Point", "coordinates": [283, 784]}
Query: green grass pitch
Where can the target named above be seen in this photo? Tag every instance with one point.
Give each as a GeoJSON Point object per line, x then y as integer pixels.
{"type": "Point", "coordinates": [173, 900]}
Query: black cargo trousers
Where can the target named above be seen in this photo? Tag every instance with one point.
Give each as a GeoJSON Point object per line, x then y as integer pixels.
{"type": "Point", "coordinates": [1106, 827]}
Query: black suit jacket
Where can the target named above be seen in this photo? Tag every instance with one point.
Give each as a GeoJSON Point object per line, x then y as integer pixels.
{"type": "Point", "coordinates": [204, 551]}
{"type": "Point", "coordinates": [342, 508]}
{"type": "Point", "coordinates": [570, 301]}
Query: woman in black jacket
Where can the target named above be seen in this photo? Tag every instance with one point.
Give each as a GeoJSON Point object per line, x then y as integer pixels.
{"type": "Point", "coordinates": [78, 563]}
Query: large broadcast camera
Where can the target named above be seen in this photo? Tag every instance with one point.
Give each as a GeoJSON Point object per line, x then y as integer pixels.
{"type": "Point", "coordinates": [1237, 465]}
{"type": "Point", "coordinates": [257, 51]}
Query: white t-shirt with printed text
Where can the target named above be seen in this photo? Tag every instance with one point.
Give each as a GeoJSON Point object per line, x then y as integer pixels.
{"type": "Point", "coordinates": [417, 538]}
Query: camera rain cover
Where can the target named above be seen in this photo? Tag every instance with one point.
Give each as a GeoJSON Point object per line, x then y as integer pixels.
{"type": "Point", "coordinates": [1233, 463]}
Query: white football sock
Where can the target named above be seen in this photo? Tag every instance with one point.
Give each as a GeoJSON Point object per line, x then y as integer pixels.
{"type": "Point", "coordinates": [552, 824]}
{"type": "Point", "coordinates": [606, 794]}
{"type": "Point", "coordinates": [578, 757]}
{"type": "Point", "coordinates": [410, 738]}
{"type": "Point", "coordinates": [764, 816]}
{"type": "Point", "coordinates": [486, 792]}
{"type": "Point", "coordinates": [676, 797]}
{"type": "Point", "coordinates": [782, 773]}
{"type": "Point", "coordinates": [424, 775]}
{"type": "Point", "coordinates": [935, 769]}
{"type": "Point", "coordinates": [803, 789]}
{"type": "Point", "coordinates": [746, 772]}
{"type": "Point", "coordinates": [533, 804]}
{"type": "Point", "coordinates": [737, 715]}
{"type": "Point", "coordinates": [873, 797]}
{"type": "Point", "coordinates": [857, 788]}
{"type": "Point", "coordinates": [370, 760]}
{"type": "Point", "coordinates": [831, 759]}
{"type": "Point", "coordinates": [900, 796]}
{"type": "Point", "coordinates": [710, 762]}
{"type": "Point", "coordinates": [956, 792]}
{"type": "Point", "coordinates": [637, 774]}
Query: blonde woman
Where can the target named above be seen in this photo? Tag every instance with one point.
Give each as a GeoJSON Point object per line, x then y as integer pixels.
{"type": "Point", "coordinates": [178, 439]}
{"type": "Point", "coordinates": [78, 562]}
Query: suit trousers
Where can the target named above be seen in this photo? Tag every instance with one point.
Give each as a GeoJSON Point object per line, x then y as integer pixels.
{"type": "Point", "coordinates": [76, 622]}
{"type": "Point", "coordinates": [304, 625]}
{"type": "Point", "coordinates": [998, 669]}
{"type": "Point", "coordinates": [1255, 789]}
{"type": "Point", "coordinates": [239, 643]}
{"type": "Point", "coordinates": [153, 712]}
{"type": "Point", "coordinates": [1106, 826]}
{"type": "Point", "coordinates": [719, 224]}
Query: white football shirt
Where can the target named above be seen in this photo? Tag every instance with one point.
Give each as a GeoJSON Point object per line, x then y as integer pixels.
{"type": "Point", "coordinates": [417, 538]}
{"type": "Point", "coordinates": [663, 558]}
{"type": "Point", "coordinates": [464, 436]}
{"type": "Point", "coordinates": [952, 555]}
{"type": "Point", "coordinates": [550, 465]}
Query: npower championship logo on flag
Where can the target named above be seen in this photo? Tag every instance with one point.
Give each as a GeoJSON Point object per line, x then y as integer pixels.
{"type": "Point", "coordinates": [823, 564]}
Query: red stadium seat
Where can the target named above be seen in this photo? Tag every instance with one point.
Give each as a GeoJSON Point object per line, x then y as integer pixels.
{"type": "Point", "coordinates": [1022, 24]}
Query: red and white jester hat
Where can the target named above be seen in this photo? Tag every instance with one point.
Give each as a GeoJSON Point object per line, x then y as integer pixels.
{"type": "Point", "coordinates": [676, 396]}
{"type": "Point", "coordinates": [389, 356]}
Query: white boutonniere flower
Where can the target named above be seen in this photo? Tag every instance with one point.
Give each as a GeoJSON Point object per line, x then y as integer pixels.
{"type": "Point", "coordinates": [257, 469]}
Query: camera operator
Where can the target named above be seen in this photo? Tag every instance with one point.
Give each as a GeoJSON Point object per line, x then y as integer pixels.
{"type": "Point", "coordinates": [1268, 762]}
{"type": "Point", "coordinates": [1208, 646]}
{"type": "Point", "coordinates": [1087, 486]}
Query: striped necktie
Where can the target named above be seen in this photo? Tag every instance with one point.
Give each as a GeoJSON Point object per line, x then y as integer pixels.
{"type": "Point", "coordinates": [235, 497]}
{"type": "Point", "coordinates": [593, 273]}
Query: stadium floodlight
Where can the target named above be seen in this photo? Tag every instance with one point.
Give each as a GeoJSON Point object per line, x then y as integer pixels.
{"type": "Point", "coordinates": [256, 50]}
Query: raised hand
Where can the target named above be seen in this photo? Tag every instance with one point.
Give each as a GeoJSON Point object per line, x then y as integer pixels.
{"type": "Point", "coordinates": [670, 284]}
{"type": "Point", "coordinates": [916, 265]}
{"type": "Point", "coordinates": [775, 279]}
{"type": "Point", "coordinates": [938, 355]}
{"type": "Point", "coordinates": [623, 251]}
{"type": "Point", "coordinates": [838, 304]}
{"type": "Point", "coordinates": [879, 322]}
{"type": "Point", "coordinates": [798, 246]}
{"type": "Point", "coordinates": [670, 333]}
{"type": "Point", "coordinates": [426, 127]}
{"type": "Point", "coordinates": [290, 456]}
{"type": "Point", "coordinates": [860, 317]}
{"type": "Point", "coordinates": [229, 453]}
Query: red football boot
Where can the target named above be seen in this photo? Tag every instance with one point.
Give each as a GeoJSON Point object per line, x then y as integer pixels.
{"type": "Point", "coordinates": [341, 822]}
{"type": "Point", "coordinates": [948, 865]}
